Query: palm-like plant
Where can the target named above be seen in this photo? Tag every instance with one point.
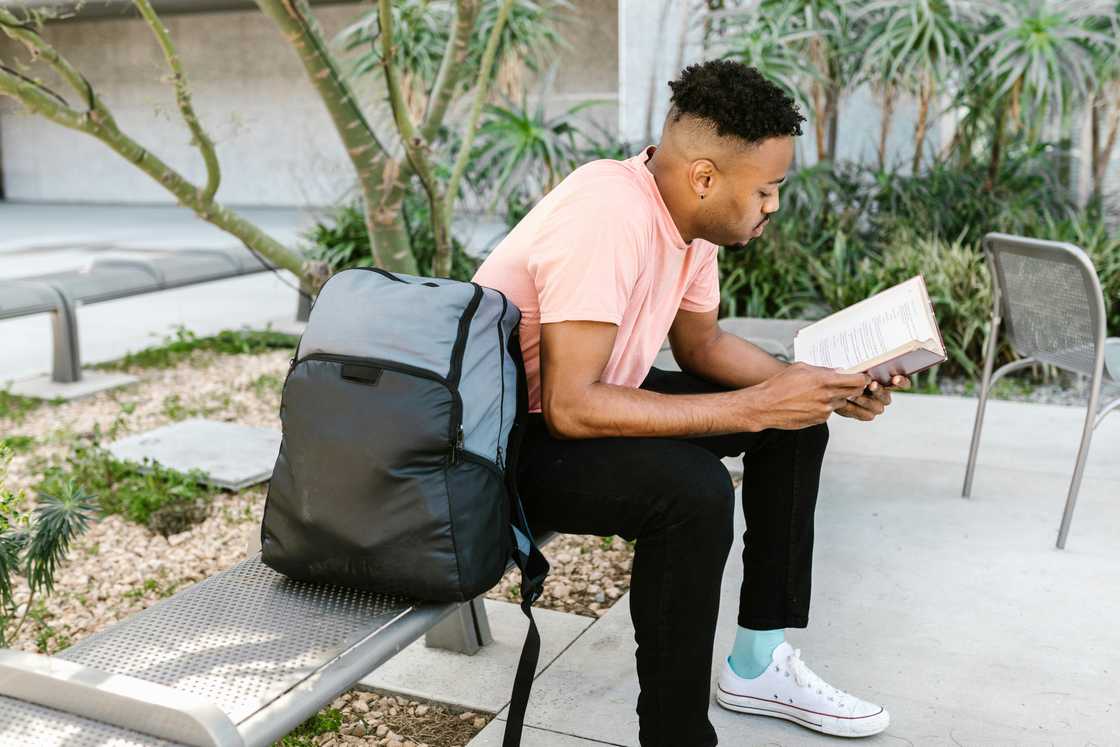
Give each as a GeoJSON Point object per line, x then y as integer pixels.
{"type": "Point", "coordinates": [1104, 102]}
{"type": "Point", "coordinates": [35, 544]}
{"type": "Point", "coordinates": [913, 46]}
{"type": "Point", "coordinates": [519, 145]}
{"type": "Point", "coordinates": [806, 46]}
{"type": "Point", "coordinates": [421, 29]}
{"type": "Point", "coordinates": [770, 44]}
{"type": "Point", "coordinates": [1036, 59]}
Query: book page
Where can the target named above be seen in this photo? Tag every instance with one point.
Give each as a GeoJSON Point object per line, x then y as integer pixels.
{"type": "Point", "coordinates": [868, 329]}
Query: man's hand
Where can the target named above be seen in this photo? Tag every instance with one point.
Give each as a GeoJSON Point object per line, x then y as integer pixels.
{"type": "Point", "coordinates": [802, 395]}
{"type": "Point", "coordinates": [873, 401]}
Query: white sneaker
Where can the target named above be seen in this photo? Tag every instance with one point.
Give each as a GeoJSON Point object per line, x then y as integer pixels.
{"type": "Point", "coordinates": [788, 689]}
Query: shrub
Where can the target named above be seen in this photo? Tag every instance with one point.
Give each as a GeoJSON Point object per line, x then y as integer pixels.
{"type": "Point", "coordinates": [34, 543]}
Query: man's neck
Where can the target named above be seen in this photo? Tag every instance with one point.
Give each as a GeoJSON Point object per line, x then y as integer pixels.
{"type": "Point", "coordinates": [658, 178]}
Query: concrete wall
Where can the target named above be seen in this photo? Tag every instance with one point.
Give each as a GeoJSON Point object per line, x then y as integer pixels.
{"type": "Point", "coordinates": [276, 143]}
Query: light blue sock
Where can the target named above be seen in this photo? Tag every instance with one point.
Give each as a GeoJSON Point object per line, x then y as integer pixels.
{"type": "Point", "coordinates": [753, 651]}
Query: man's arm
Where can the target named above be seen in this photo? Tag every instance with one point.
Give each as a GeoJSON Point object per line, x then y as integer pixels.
{"type": "Point", "coordinates": [701, 348]}
{"type": "Point", "coordinates": [576, 404]}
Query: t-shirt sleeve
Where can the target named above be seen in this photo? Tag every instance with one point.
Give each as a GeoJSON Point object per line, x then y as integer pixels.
{"type": "Point", "coordinates": [702, 293]}
{"type": "Point", "coordinates": [587, 263]}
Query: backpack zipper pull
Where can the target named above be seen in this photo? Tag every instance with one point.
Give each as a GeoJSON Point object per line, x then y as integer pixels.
{"type": "Point", "coordinates": [457, 447]}
{"type": "Point", "coordinates": [501, 462]}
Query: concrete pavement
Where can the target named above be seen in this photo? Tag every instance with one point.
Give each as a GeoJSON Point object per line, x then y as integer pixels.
{"type": "Point", "coordinates": [957, 615]}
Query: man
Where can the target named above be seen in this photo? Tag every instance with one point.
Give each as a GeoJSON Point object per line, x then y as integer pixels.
{"type": "Point", "coordinates": [618, 255]}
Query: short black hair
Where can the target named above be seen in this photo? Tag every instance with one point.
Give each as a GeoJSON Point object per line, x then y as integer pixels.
{"type": "Point", "coordinates": [736, 100]}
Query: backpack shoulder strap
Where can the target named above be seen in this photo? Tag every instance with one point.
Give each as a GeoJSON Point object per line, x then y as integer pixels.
{"type": "Point", "coordinates": [529, 559]}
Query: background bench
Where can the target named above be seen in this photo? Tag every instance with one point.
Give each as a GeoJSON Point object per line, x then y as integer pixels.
{"type": "Point", "coordinates": [113, 278]}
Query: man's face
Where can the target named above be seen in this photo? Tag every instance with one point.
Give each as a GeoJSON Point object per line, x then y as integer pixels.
{"type": "Point", "coordinates": [745, 193]}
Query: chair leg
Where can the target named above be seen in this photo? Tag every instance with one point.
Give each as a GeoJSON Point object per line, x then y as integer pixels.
{"type": "Point", "coordinates": [1079, 465]}
{"type": "Point", "coordinates": [985, 385]}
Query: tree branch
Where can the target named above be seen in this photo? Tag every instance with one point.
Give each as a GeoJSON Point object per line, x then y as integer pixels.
{"type": "Point", "coordinates": [100, 124]}
{"type": "Point", "coordinates": [45, 89]}
{"type": "Point", "coordinates": [38, 98]}
{"type": "Point", "coordinates": [484, 79]}
{"type": "Point", "coordinates": [183, 98]}
{"type": "Point", "coordinates": [451, 67]}
{"type": "Point", "coordinates": [414, 144]}
{"type": "Point", "coordinates": [27, 35]}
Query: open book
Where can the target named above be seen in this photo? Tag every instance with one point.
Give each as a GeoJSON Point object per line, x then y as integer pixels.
{"type": "Point", "coordinates": [892, 332]}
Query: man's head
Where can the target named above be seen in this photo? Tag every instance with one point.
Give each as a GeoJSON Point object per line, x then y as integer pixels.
{"type": "Point", "coordinates": [725, 149]}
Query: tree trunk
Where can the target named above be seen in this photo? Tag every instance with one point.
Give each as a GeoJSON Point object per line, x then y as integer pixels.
{"type": "Point", "coordinates": [1102, 145]}
{"type": "Point", "coordinates": [378, 174]}
{"type": "Point", "coordinates": [997, 148]}
{"type": "Point", "coordinates": [925, 97]}
{"type": "Point", "coordinates": [833, 104]}
{"type": "Point", "coordinates": [885, 118]}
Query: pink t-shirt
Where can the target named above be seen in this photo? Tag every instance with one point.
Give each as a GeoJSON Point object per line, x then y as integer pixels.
{"type": "Point", "coordinates": [602, 246]}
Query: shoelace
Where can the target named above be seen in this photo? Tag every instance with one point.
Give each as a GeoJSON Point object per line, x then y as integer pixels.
{"type": "Point", "coordinates": [805, 677]}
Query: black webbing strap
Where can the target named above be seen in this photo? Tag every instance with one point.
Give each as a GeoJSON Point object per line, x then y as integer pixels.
{"type": "Point", "coordinates": [527, 556]}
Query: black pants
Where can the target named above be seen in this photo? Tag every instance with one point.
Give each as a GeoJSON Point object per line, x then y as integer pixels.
{"type": "Point", "coordinates": [675, 497]}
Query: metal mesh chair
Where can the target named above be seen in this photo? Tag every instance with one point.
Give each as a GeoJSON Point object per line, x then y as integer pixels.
{"type": "Point", "coordinates": [1047, 296]}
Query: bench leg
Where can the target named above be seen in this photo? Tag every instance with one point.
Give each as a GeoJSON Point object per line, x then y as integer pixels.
{"type": "Point", "coordinates": [465, 631]}
{"type": "Point", "coordinates": [303, 304]}
{"type": "Point", "coordinates": [67, 363]}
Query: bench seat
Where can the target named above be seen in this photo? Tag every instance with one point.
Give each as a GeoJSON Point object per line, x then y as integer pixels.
{"type": "Point", "coordinates": [249, 653]}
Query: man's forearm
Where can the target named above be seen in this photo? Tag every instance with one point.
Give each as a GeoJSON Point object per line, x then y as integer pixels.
{"type": "Point", "coordinates": [607, 410]}
{"type": "Point", "coordinates": [732, 361]}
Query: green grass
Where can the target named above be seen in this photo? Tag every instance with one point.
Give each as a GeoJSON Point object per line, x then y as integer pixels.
{"type": "Point", "coordinates": [304, 735]}
{"type": "Point", "coordinates": [185, 343]}
{"type": "Point", "coordinates": [15, 408]}
{"type": "Point", "coordinates": [162, 499]}
{"type": "Point", "coordinates": [17, 443]}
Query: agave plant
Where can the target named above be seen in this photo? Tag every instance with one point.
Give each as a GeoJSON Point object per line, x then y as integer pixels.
{"type": "Point", "coordinates": [519, 146]}
{"type": "Point", "coordinates": [35, 544]}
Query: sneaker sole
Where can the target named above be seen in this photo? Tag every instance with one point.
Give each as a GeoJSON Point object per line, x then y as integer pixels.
{"type": "Point", "coordinates": [836, 727]}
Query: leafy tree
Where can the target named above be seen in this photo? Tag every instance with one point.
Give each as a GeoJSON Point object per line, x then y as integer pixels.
{"type": "Point", "coordinates": [473, 33]}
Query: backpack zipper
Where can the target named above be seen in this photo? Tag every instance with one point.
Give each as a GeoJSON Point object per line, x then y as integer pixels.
{"type": "Point", "coordinates": [455, 432]}
{"type": "Point", "coordinates": [502, 369]}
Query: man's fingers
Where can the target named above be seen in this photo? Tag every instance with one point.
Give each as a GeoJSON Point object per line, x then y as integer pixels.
{"type": "Point", "coordinates": [857, 382]}
{"type": "Point", "coordinates": [871, 404]}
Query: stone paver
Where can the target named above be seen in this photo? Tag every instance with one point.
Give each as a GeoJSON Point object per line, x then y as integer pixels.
{"type": "Point", "coordinates": [482, 682]}
{"type": "Point", "coordinates": [92, 382]}
{"type": "Point", "coordinates": [233, 456]}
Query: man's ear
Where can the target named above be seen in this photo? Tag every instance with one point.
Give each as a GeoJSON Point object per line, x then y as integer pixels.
{"type": "Point", "coordinates": [701, 174]}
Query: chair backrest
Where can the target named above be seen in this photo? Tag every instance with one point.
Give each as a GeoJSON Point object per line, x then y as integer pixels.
{"type": "Point", "coordinates": [1050, 300]}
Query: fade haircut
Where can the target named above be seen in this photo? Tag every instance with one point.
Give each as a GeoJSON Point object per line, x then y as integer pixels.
{"type": "Point", "coordinates": [734, 100]}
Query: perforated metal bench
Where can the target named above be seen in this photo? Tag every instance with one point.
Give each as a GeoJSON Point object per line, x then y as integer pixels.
{"type": "Point", "coordinates": [241, 658]}
{"type": "Point", "coordinates": [113, 278]}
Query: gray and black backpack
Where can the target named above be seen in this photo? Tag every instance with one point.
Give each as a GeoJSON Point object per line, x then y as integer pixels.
{"type": "Point", "coordinates": [402, 415]}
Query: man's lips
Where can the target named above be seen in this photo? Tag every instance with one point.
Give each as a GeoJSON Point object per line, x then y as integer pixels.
{"type": "Point", "coordinates": [760, 228]}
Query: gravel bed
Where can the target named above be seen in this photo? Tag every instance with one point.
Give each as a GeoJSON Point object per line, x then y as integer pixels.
{"type": "Point", "coordinates": [1070, 390]}
{"type": "Point", "coordinates": [118, 568]}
